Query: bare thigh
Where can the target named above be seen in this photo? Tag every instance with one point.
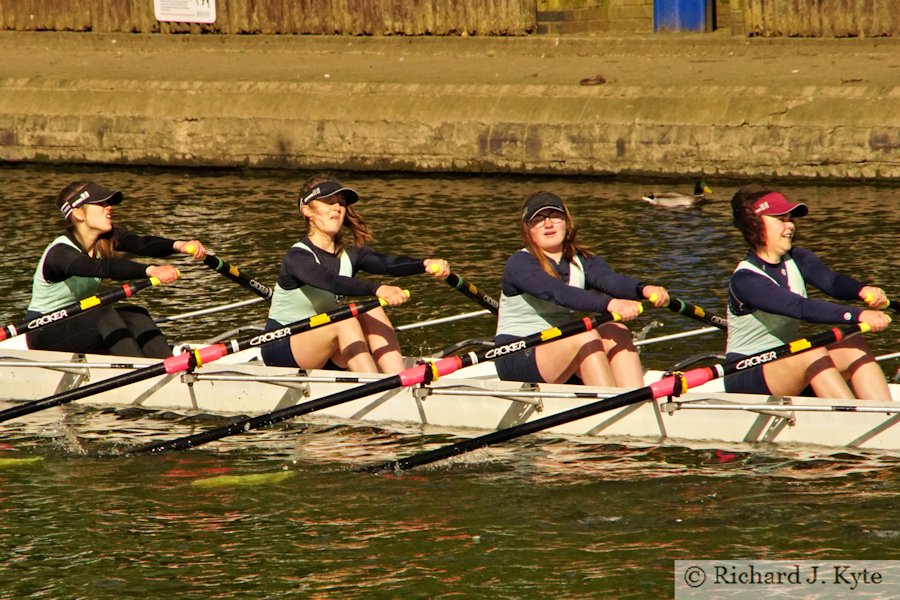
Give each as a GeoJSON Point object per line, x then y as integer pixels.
{"type": "Point", "coordinates": [313, 348]}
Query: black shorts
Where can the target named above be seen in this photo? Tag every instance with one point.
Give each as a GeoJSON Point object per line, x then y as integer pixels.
{"type": "Point", "coordinates": [753, 381]}
{"type": "Point", "coordinates": [278, 353]}
{"type": "Point", "coordinates": [522, 365]}
{"type": "Point", "coordinates": [519, 366]}
{"type": "Point", "coordinates": [750, 381]}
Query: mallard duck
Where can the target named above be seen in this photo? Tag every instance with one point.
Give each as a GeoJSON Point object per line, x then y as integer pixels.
{"type": "Point", "coordinates": [677, 199]}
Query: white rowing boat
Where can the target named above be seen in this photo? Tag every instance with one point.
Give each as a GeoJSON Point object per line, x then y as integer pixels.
{"type": "Point", "coordinates": [471, 398]}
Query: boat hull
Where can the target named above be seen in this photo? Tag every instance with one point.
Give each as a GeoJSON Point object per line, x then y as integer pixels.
{"type": "Point", "coordinates": [469, 399]}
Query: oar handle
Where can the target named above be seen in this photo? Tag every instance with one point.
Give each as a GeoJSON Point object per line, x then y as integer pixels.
{"type": "Point", "coordinates": [423, 373]}
{"type": "Point", "coordinates": [233, 273]}
{"type": "Point", "coordinates": [469, 290]}
{"type": "Point", "coordinates": [126, 290]}
{"type": "Point", "coordinates": [694, 312]}
{"type": "Point", "coordinates": [664, 387]}
{"type": "Point", "coordinates": [890, 305]}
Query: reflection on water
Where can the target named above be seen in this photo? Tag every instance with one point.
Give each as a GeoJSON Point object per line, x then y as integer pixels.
{"type": "Point", "coordinates": [540, 517]}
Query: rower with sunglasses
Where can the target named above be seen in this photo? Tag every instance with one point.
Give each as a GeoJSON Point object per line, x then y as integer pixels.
{"type": "Point", "coordinates": [546, 283]}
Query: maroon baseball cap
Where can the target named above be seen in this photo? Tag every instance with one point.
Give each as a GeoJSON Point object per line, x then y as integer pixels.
{"type": "Point", "coordinates": [775, 204]}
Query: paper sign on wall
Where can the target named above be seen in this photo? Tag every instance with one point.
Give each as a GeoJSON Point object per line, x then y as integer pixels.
{"type": "Point", "coordinates": [185, 11]}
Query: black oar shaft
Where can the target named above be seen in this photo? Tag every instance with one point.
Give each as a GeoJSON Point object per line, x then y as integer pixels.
{"type": "Point", "coordinates": [126, 290]}
{"type": "Point", "coordinates": [697, 313]}
{"type": "Point", "coordinates": [658, 389]}
{"type": "Point", "coordinates": [233, 273]}
{"type": "Point", "coordinates": [106, 385]}
{"type": "Point", "coordinates": [412, 376]}
{"type": "Point", "coordinates": [250, 423]}
{"type": "Point", "coordinates": [467, 289]}
{"type": "Point", "coordinates": [503, 435]}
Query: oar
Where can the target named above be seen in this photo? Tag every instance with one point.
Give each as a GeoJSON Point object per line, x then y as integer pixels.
{"type": "Point", "coordinates": [890, 305]}
{"type": "Point", "coordinates": [442, 320]}
{"type": "Point", "coordinates": [189, 360]}
{"type": "Point", "coordinates": [467, 289]}
{"type": "Point", "coordinates": [668, 386]}
{"type": "Point", "coordinates": [233, 273]}
{"type": "Point", "coordinates": [423, 373]}
{"type": "Point", "coordinates": [677, 336]}
{"type": "Point", "coordinates": [695, 312]}
{"type": "Point", "coordinates": [209, 311]}
{"type": "Point", "coordinates": [126, 290]}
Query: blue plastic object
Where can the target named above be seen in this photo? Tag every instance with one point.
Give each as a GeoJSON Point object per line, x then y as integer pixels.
{"type": "Point", "coordinates": [680, 15]}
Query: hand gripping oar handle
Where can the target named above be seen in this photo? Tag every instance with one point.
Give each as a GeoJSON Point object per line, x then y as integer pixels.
{"type": "Point", "coordinates": [695, 312]}
{"type": "Point", "coordinates": [890, 305]}
{"type": "Point", "coordinates": [233, 273]}
{"type": "Point", "coordinates": [126, 290]}
{"type": "Point", "coordinates": [467, 289]}
{"type": "Point", "coordinates": [423, 373]}
{"type": "Point", "coordinates": [668, 386]}
{"type": "Point", "coordinates": [190, 360]}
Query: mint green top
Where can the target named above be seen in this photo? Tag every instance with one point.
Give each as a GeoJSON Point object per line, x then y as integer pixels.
{"type": "Point", "coordinates": [305, 301]}
{"type": "Point", "coordinates": [48, 296]}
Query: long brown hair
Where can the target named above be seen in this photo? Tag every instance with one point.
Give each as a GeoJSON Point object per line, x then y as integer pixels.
{"type": "Point", "coordinates": [105, 246]}
{"type": "Point", "coordinates": [570, 246]}
{"type": "Point", "coordinates": [748, 222]}
{"type": "Point", "coordinates": [359, 231]}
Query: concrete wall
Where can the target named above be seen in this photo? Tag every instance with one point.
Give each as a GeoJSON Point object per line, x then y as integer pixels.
{"type": "Point", "coordinates": [673, 105]}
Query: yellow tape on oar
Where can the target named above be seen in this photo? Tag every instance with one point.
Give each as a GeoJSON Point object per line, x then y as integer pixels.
{"type": "Point", "coordinates": [319, 319]}
{"type": "Point", "coordinates": [549, 334]}
{"type": "Point", "coordinates": [16, 462]}
{"type": "Point", "coordinates": [89, 302]}
{"type": "Point", "coordinates": [799, 346]}
{"type": "Point", "coordinates": [242, 480]}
